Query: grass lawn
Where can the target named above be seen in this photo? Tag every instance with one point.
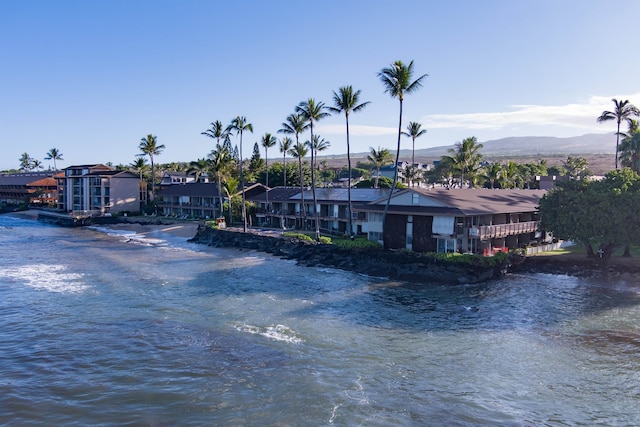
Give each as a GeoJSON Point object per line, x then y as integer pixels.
{"type": "Point", "coordinates": [579, 250]}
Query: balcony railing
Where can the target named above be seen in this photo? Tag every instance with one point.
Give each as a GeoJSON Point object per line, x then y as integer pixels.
{"type": "Point", "coordinates": [503, 230]}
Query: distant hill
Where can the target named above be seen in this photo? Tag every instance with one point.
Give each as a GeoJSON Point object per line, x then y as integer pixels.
{"type": "Point", "coordinates": [518, 146]}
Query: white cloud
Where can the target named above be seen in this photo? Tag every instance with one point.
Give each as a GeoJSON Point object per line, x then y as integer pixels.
{"type": "Point", "coordinates": [577, 115]}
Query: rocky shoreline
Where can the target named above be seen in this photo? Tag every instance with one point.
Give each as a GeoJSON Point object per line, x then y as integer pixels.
{"type": "Point", "coordinates": [397, 265]}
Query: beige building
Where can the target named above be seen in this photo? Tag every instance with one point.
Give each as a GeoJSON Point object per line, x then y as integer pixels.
{"type": "Point", "coordinates": [98, 189]}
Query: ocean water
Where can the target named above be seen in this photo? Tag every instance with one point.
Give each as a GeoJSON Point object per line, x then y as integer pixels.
{"type": "Point", "coordinates": [110, 328]}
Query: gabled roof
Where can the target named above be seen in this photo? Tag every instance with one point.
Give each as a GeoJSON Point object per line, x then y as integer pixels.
{"type": "Point", "coordinates": [358, 195]}
{"type": "Point", "coordinates": [191, 189]}
{"type": "Point", "coordinates": [277, 194]}
{"type": "Point", "coordinates": [25, 178]}
{"type": "Point", "coordinates": [471, 201]}
{"type": "Point", "coordinates": [91, 166]}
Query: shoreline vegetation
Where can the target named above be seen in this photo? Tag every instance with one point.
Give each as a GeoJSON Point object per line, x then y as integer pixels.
{"type": "Point", "coordinates": [398, 265]}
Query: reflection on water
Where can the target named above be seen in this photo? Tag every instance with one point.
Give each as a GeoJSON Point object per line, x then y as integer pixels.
{"type": "Point", "coordinates": [97, 328]}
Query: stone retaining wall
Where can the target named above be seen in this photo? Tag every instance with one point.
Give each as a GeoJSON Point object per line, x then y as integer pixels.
{"type": "Point", "coordinates": [399, 265]}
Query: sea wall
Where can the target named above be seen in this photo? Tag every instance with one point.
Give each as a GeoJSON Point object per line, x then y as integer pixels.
{"type": "Point", "coordinates": [398, 265]}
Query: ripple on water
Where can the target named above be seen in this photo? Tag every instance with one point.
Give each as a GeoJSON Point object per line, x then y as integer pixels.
{"type": "Point", "coordinates": [47, 277]}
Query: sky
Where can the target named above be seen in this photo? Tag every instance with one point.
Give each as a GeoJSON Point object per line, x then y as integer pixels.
{"type": "Point", "coordinates": [92, 78]}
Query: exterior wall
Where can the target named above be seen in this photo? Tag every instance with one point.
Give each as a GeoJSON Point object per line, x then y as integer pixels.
{"type": "Point", "coordinates": [409, 199]}
{"type": "Point", "coordinates": [422, 240]}
{"type": "Point", "coordinates": [124, 194]}
{"type": "Point", "coordinates": [395, 232]}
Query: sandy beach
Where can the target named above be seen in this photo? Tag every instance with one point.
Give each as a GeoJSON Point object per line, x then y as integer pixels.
{"type": "Point", "coordinates": [184, 230]}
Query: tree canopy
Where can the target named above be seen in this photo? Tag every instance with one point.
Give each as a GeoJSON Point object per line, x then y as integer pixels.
{"type": "Point", "coordinates": [602, 213]}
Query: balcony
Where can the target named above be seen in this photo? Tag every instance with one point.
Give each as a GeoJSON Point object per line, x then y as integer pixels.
{"type": "Point", "coordinates": [485, 232]}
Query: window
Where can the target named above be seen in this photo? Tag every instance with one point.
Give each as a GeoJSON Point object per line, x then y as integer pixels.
{"type": "Point", "coordinates": [446, 245]}
{"type": "Point", "coordinates": [375, 236]}
{"type": "Point", "coordinates": [415, 199]}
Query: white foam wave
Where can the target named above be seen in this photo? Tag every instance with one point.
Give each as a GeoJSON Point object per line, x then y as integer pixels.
{"type": "Point", "coordinates": [273, 332]}
{"type": "Point", "coordinates": [52, 278]}
{"type": "Point", "coordinates": [130, 236]}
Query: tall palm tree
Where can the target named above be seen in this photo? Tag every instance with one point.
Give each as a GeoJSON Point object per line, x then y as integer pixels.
{"type": "Point", "coordinates": [379, 158]}
{"type": "Point", "coordinates": [414, 130]}
{"type": "Point", "coordinates": [623, 111]}
{"type": "Point", "coordinates": [299, 151]}
{"type": "Point", "coordinates": [267, 142]}
{"type": "Point", "coordinates": [465, 156]}
{"type": "Point", "coordinates": [285, 145]}
{"type": "Point", "coordinates": [345, 101]}
{"type": "Point", "coordinates": [295, 125]}
{"type": "Point", "coordinates": [240, 125]}
{"type": "Point", "coordinates": [312, 111]}
{"type": "Point", "coordinates": [150, 147]}
{"type": "Point", "coordinates": [221, 162]}
{"type": "Point", "coordinates": [217, 132]}
{"type": "Point", "coordinates": [54, 154]}
{"type": "Point", "coordinates": [397, 81]}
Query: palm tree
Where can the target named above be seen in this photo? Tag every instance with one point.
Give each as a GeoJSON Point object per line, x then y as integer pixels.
{"type": "Point", "coordinates": [139, 165]}
{"type": "Point", "coordinates": [221, 162]}
{"type": "Point", "coordinates": [397, 81]}
{"type": "Point", "coordinates": [465, 156]}
{"type": "Point", "coordinates": [315, 145]}
{"type": "Point", "coordinates": [240, 124]}
{"type": "Point", "coordinates": [346, 101]}
{"type": "Point", "coordinates": [217, 132]}
{"type": "Point", "coordinates": [231, 188]}
{"type": "Point", "coordinates": [298, 152]}
{"type": "Point", "coordinates": [379, 158]}
{"type": "Point", "coordinates": [630, 152]}
{"type": "Point", "coordinates": [414, 131]}
{"type": "Point", "coordinates": [295, 125]}
{"type": "Point", "coordinates": [26, 162]}
{"type": "Point", "coordinates": [285, 146]}
{"type": "Point", "coordinates": [623, 112]}
{"type": "Point", "coordinates": [492, 173]}
{"type": "Point", "coordinates": [149, 146]}
{"type": "Point", "coordinates": [267, 141]}
{"type": "Point", "coordinates": [312, 111]}
{"type": "Point", "coordinates": [199, 168]}
{"type": "Point", "coordinates": [54, 154]}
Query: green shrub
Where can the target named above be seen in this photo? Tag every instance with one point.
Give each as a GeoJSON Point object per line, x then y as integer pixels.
{"type": "Point", "coordinates": [471, 259]}
{"type": "Point", "coordinates": [325, 239]}
{"type": "Point", "coordinates": [357, 243]}
{"type": "Point", "coordinates": [299, 236]}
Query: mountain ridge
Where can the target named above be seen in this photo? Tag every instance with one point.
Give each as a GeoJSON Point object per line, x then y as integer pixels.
{"type": "Point", "coordinates": [592, 143]}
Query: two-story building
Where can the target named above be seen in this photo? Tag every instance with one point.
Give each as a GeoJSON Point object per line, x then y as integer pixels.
{"type": "Point", "coordinates": [98, 189]}
{"type": "Point", "coordinates": [458, 220]}
{"type": "Point", "coordinates": [33, 188]}
{"type": "Point", "coordinates": [189, 200]}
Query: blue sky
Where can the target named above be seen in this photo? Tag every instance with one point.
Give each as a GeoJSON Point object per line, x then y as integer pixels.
{"type": "Point", "coordinates": [91, 78]}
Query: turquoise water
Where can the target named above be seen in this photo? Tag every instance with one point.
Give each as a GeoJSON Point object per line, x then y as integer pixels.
{"type": "Point", "coordinates": [102, 328]}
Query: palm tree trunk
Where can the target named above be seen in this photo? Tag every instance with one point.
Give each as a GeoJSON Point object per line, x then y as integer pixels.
{"type": "Point", "coordinates": [220, 193]}
{"type": "Point", "coordinates": [266, 166]}
{"type": "Point", "coordinates": [244, 209]}
{"type": "Point", "coordinates": [351, 234]}
{"type": "Point", "coordinates": [284, 169]}
{"type": "Point", "coordinates": [395, 179]}
{"type": "Point", "coordinates": [617, 143]}
{"type": "Point", "coordinates": [313, 187]}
